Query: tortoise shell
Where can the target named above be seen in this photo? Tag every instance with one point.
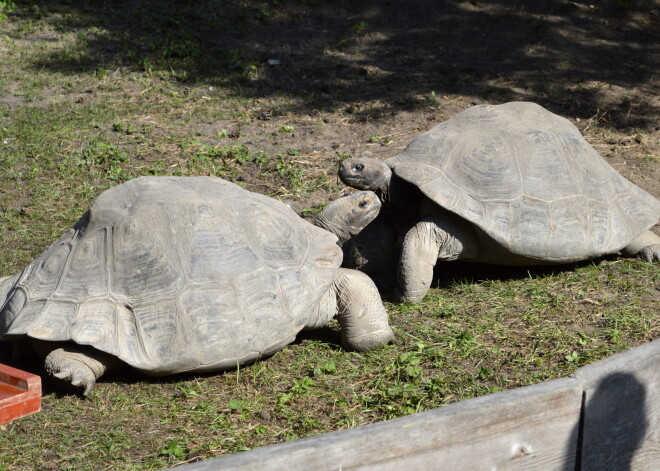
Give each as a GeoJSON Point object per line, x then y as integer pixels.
{"type": "Point", "coordinates": [529, 180]}
{"type": "Point", "coordinates": [175, 274]}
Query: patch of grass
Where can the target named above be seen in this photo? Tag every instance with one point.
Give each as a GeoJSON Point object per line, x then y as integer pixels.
{"type": "Point", "coordinates": [287, 128]}
{"type": "Point", "coordinates": [361, 27]}
{"type": "Point", "coordinates": [464, 340]}
{"type": "Point", "coordinates": [382, 140]}
{"type": "Point", "coordinates": [6, 7]}
{"type": "Point", "coordinates": [86, 106]}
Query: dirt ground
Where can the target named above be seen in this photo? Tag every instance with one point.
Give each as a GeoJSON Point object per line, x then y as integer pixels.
{"type": "Point", "coordinates": [393, 70]}
{"type": "Point", "coordinates": [317, 81]}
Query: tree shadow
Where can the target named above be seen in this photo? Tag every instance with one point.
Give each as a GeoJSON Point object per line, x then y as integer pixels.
{"type": "Point", "coordinates": [592, 58]}
{"type": "Point", "coordinates": [612, 426]}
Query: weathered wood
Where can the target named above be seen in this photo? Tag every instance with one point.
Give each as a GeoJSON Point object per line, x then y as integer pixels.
{"type": "Point", "coordinates": [527, 428]}
{"type": "Point", "coordinates": [621, 425]}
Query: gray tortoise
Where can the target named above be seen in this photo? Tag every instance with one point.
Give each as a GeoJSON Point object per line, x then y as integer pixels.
{"type": "Point", "coordinates": [510, 184]}
{"type": "Point", "coordinates": [175, 274]}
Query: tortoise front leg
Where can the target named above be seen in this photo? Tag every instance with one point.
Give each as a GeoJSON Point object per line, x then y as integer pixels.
{"type": "Point", "coordinates": [360, 311]}
{"type": "Point", "coordinates": [646, 246]}
{"type": "Point", "coordinates": [419, 254]}
{"type": "Point", "coordinates": [442, 237]}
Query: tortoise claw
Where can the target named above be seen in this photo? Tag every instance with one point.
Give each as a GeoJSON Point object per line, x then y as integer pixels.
{"type": "Point", "coordinates": [650, 253]}
{"type": "Point", "coordinates": [66, 374]}
{"type": "Point", "coordinates": [70, 368]}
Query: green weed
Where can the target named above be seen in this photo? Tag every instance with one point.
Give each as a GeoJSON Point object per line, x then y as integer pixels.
{"type": "Point", "coordinates": [6, 7]}
{"type": "Point", "coordinates": [88, 102]}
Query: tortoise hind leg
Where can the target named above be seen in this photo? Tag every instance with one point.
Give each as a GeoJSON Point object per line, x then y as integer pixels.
{"type": "Point", "coordinates": [78, 366]}
{"type": "Point", "coordinates": [646, 246]}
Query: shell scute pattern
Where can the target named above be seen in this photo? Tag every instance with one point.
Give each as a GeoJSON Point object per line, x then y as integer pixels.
{"type": "Point", "coordinates": [88, 263]}
{"type": "Point", "coordinates": [546, 160]}
{"type": "Point", "coordinates": [529, 180]}
{"type": "Point", "coordinates": [480, 166]}
{"type": "Point", "coordinates": [163, 276]}
{"type": "Point", "coordinates": [281, 245]}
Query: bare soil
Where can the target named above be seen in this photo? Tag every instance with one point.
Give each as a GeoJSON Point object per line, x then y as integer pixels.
{"type": "Point", "coordinates": [358, 78]}
{"type": "Point", "coordinates": [352, 70]}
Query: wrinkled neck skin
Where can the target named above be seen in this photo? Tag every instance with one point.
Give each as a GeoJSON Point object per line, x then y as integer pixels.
{"type": "Point", "coordinates": [382, 185]}
{"type": "Point", "coordinates": [347, 216]}
{"type": "Point", "coordinates": [330, 223]}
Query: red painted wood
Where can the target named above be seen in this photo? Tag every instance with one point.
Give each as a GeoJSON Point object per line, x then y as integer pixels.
{"type": "Point", "coordinates": [20, 393]}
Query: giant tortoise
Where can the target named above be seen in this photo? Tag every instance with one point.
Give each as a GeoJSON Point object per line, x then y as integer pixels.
{"type": "Point", "coordinates": [176, 274]}
{"type": "Point", "coordinates": [510, 184]}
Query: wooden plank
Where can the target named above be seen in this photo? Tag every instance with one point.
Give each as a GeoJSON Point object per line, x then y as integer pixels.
{"type": "Point", "coordinates": [621, 425]}
{"type": "Point", "coordinates": [527, 428]}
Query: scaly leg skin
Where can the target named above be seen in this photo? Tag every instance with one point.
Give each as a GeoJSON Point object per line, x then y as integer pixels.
{"type": "Point", "coordinates": [360, 312]}
{"type": "Point", "coordinates": [419, 255]}
{"type": "Point", "coordinates": [78, 366]}
{"type": "Point", "coordinates": [646, 247]}
{"type": "Point", "coordinates": [441, 236]}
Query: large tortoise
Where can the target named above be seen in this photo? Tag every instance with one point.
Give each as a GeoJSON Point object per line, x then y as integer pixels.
{"type": "Point", "coordinates": [175, 274]}
{"type": "Point", "coordinates": [510, 184]}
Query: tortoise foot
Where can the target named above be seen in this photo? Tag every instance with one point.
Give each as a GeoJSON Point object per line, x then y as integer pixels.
{"type": "Point", "coordinates": [650, 253]}
{"type": "Point", "coordinates": [73, 367]}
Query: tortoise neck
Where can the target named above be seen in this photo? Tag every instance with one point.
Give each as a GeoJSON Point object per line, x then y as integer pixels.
{"type": "Point", "coordinates": [383, 187]}
{"type": "Point", "coordinates": [329, 223]}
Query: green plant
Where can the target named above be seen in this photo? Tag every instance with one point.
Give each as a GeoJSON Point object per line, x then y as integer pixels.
{"type": "Point", "coordinates": [328, 367]}
{"type": "Point", "coordinates": [299, 388]}
{"type": "Point", "coordinates": [99, 153]}
{"type": "Point", "coordinates": [6, 7]}
{"type": "Point", "coordinates": [124, 128]}
{"type": "Point", "coordinates": [314, 209]}
{"type": "Point", "coordinates": [174, 449]}
{"type": "Point", "coordinates": [375, 138]}
{"type": "Point", "coordinates": [361, 27]}
{"type": "Point", "coordinates": [237, 405]}
{"type": "Point", "coordinates": [71, 126]}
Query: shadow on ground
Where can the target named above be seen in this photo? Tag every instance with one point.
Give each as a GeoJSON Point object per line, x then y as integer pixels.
{"type": "Point", "coordinates": [592, 58]}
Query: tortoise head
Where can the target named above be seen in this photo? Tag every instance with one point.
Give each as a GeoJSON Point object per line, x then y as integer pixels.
{"type": "Point", "coordinates": [366, 174]}
{"type": "Point", "coordinates": [347, 216]}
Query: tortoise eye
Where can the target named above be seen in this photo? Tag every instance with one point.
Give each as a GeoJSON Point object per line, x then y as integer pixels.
{"type": "Point", "coordinates": [362, 204]}
{"type": "Point", "coordinates": [358, 167]}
